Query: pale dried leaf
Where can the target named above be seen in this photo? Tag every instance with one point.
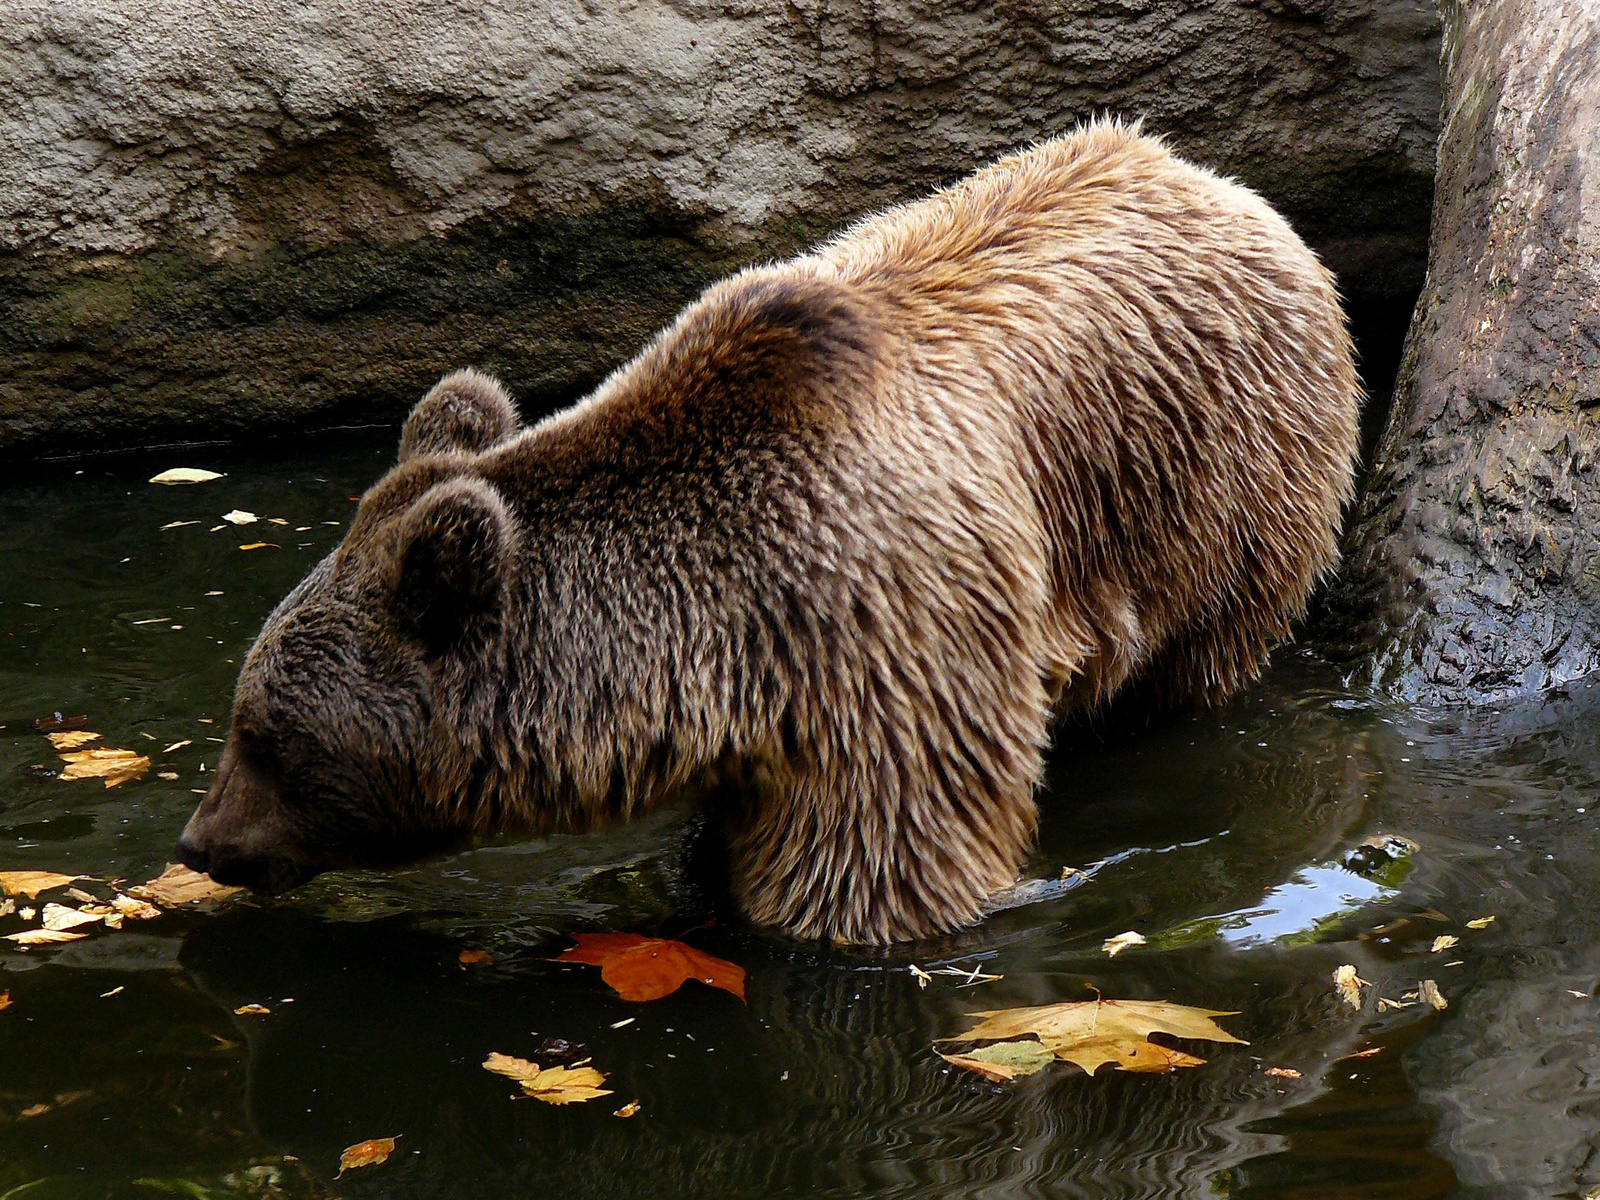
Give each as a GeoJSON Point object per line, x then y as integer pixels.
{"type": "Point", "coordinates": [137, 910]}
{"type": "Point", "coordinates": [1116, 945]}
{"type": "Point", "coordinates": [1480, 923]}
{"type": "Point", "coordinates": [185, 475]}
{"type": "Point", "coordinates": [1349, 985]}
{"type": "Point", "coordinates": [922, 977]}
{"type": "Point", "coordinates": [44, 937]}
{"type": "Point", "coordinates": [114, 766]}
{"type": "Point", "coordinates": [178, 745]}
{"type": "Point", "coordinates": [1283, 1072]}
{"type": "Point", "coordinates": [1429, 991]}
{"type": "Point", "coordinates": [240, 516]}
{"type": "Point", "coordinates": [59, 916]}
{"type": "Point", "coordinates": [179, 885]}
{"type": "Point", "coordinates": [1443, 942]}
{"type": "Point", "coordinates": [31, 883]}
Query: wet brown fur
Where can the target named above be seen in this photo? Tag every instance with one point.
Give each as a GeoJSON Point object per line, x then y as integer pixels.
{"type": "Point", "coordinates": [850, 532]}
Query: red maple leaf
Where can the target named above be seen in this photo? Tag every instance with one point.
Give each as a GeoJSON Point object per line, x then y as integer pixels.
{"type": "Point", "coordinates": [646, 968]}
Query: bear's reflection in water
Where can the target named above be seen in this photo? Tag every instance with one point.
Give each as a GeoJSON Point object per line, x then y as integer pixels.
{"type": "Point", "coordinates": [825, 1083]}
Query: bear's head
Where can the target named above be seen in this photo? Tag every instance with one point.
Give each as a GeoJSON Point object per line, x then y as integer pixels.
{"type": "Point", "coordinates": [340, 745]}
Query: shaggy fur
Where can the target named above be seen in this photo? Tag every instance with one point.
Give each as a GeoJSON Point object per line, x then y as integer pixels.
{"type": "Point", "coordinates": [846, 537]}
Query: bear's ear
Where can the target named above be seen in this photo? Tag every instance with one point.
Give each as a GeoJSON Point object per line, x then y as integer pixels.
{"type": "Point", "coordinates": [467, 411]}
{"type": "Point", "coordinates": [453, 557]}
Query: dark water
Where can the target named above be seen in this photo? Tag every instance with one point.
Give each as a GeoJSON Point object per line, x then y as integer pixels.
{"type": "Point", "coordinates": [1232, 839]}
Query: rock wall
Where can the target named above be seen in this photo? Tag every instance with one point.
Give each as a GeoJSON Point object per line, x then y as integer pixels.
{"type": "Point", "coordinates": [1473, 569]}
{"type": "Point", "coordinates": [233, 214]}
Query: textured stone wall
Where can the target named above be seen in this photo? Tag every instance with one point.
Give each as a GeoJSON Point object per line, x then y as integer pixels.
{"type": "Point", "coordinates": [235, 214]}
{"type": "Point", "coordinates": [1473, 569]}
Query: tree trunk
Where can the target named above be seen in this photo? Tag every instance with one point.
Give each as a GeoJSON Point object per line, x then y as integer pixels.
{"type": "Point", "coordinates": [1473, 566]}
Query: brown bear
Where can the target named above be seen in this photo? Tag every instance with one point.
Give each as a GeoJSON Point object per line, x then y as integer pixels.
{"type": "Point", "coordinates": [840, 543]}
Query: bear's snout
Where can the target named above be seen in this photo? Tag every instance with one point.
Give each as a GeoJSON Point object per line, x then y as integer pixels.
{"type": "Point", "coordinates": [239, 835]}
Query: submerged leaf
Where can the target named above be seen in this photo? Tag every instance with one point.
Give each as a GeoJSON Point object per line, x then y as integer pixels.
{"type": "Point", "coordinates": [179, 885]}
{"type": "Point", "coordinates": [1429, 991]}
{"type": "Point", "coordinates": [31, 883]}
{"type": "Point", "coordinates": [365, 1154]}
{"type": "Point", "coordinates": [113, 766]}
{"type": "Point", "coordinates": [553, 1085]}
{"type": "Point", "coordinates": [643, 968]}
{"type": "Point", "coordinates": [1092, 1033]}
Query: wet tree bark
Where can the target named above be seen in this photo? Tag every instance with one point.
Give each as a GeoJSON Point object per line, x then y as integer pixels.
{"type": "Point", "coordinates": [1472, 568]}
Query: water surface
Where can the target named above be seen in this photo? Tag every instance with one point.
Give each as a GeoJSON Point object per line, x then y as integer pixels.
{"type": "Point", "coordinates": [1257, 847]}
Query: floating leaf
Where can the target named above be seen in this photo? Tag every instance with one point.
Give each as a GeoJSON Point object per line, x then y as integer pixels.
{"type": "Point", "coordinates": [644, 968]}
{"type": "Point", "coordinates": [5, 1001]}
{"type": "Point", "coordinates": [56, 722]}
{"type": "Point", "coordinates": [630, 1109]}
{"type": "Point", "coordinates": [1349, 985]}
{"type": "Point", "coordinates": [137, 910]}
{"type": "Point", "coordinates": [1092, 1033]}
{"type": "Point", "coordinates": [177, 525]}
{"type": "Point", "coordinates": [1480, 923]}
{"type": "Point", "coordinates": [1116, 945]}
{"type": "Point", "coordinates": [179, 885]}
{"type": "Point", "coordinates": [261, 546]}
{"type": "Point", "coordinates": [59, 916]}
{"type": "Point", "coordinates": [1003, 1061]}
{"type": "Point", "coordinates": [114, 766]}
{"type": "Point", "coordinates": [178, 745]}
{"type": "Point", "coordinates": [44, 937]}
{"type": "Point", "coordinates": [31, 883]}
{"type": "Point", "coordinates": [1283, 1072]}
{"type": "Point", "coordinates": [1443, 942]}
{"type": "Point", "coordinates": [251, 1010]}
{"type": "Point", "coordinates": [240, 517]}
{"type": "Point", "coordinates": [553, 1085]}
{"type": "Point", "coordinates": [365, 1154]}
{"type": "Point", "coordinates": [1429, 991]}
{"type": "Point", "coordinates": [474, 958]}
{"type": "Point", "coordinates": [72, 739]}
{"type": "Point", "coordinates": [185, 475]}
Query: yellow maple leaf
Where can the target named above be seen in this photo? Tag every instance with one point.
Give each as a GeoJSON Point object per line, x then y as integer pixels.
{"type": "Point", "coordinates": [553, 1085]}
{"type": "Point", "coordinates": [113, 766]}
{"type": "Point", "coordinates": [72, 739]}
{"type": "Point", "coordinates": [1092, 1033]}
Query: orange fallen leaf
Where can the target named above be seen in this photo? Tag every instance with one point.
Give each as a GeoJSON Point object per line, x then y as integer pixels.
{"type": "Point", "coordinates": [645, 968]}
{"type": "Point", "coordinates": [365, 1154]}
{"type": "Point", "coordinates": [113, 766]}
{"type": "Point", "coordinates": [251, 1010]}
{"type": "Point", "coordinates": [179, 885]}
{"type": "Point", "coordinates": [1283, 1072]}
{"type": "Point", "coordinates": [1370, 1052]}
{"type": "Point", "coordinates": [474, 958]}
{"type": "Point", "coordinates": [631, 1108]}
{"type": "Point", "coordinates": [5, 1001]}
{"type": "Point", "coordinates": [31, 883]}
{"type": "Point", "coordinates": [553, 1085]}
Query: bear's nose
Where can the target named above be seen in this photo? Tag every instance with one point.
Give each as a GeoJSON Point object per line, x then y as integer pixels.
{"type": "Point", "coordinates": [193, 855]}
